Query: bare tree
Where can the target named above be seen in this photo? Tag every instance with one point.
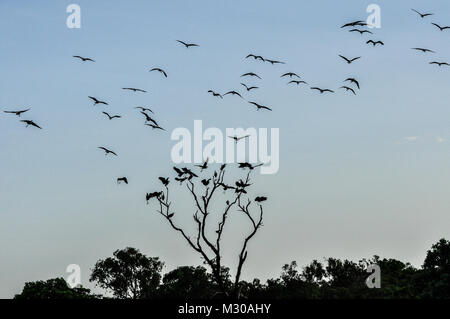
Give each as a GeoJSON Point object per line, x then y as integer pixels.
{"type": "Point", "coordinates": [209, 247]}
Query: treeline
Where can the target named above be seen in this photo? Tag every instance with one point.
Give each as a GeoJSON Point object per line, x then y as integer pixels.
{"type": "Point", "coordinates": [130, 274]}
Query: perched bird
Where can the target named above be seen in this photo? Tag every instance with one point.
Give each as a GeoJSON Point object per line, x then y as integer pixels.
{"type": "Point", "coordinates": [205, 182]}
{"type": "Point", "coordinates": [348, 89]}
{"type": "Point", "coordinates": [240, 183]}
{"type": "Point", "coordinates": [360, 31]}
{"type": "Point", "coordinates": [374, 43]}
{"type": "Point", "coordinates": [178, 171]}
{"type": "Point", "coordinates": [189, 172]}
{"type": "Point", "coordinates": [82, 58]}
{"type": "Point", "coordinates": [440, 63]}
{"type": "Point", "coordinates": [297, 82]}
{"type": "Point", "coordinates": [160, 71]}
{"type": "Point", "coordinates": [112, 117]}
{"type": "Point", "coordinates": [259, 106]}
{"type": "Point", "coordinates": [222, 167]}
{"type": "Point", "coordinates": [149, 196]}
{"type": "Point", "coordinates": [157, 127]}
{"type": "Point", "coordinates": [204, 165]}
{"type": "Point", "coordinates": [18, 113]}
{"type": "Point", "coordinates": [107, 151]}
{"type": "Point", "coordinates": [233, 93]}
{"type": "Point", "coordinates": [248, 165]}
{"type": "Point", "coordinates": [260, 199]}
{"type": "Point", "coordinates": [188, 45]}
{"type": "Point", "coordinates": [322, 90]}
{"type": "Point", "coordinates": [352, 80]}
{"type": "Point", "coordinates": [215, 94]}
{"type": "Point", "coordinates": [290, 74]}
{"type": "Point", "coordinates": [181, 180]}
{"type": "Point", "coordinates": [97, 101]}
{"type": "Point", "coordinates": [274, 62]}
{"type": "Point", "coordinates": [440, 28]}
{"type": "Point", "coordinates": [251, 74]}
{"type": "Point", "coordinates": [122, 179]}
{"type": "Point", "coordinates": [134, 90]}
{"type": "Point", "coordinates": [249, 88]}
{"type": "Point", "coordinates": [170, 215]}
{"type": "Point", "coordinates": [149, 119]}
{"type": "Point", "coordinates": [349, 61]}
{"type": "Point", "coordinates": [163, 180]}
{"type": "Point", "coordinates": [422, 15]}
{"type": "Point", "coordinates": [143, 109]}
{"type": "Point", "coordinates": [256, 57]}
{"type": "Point", "coordinates": [237, 139]}
{"type": "Point", "coordinates": [423, 50]}
{"type": "Point", "coordinates": [30, 123]}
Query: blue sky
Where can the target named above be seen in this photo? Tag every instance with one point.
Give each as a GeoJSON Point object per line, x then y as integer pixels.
{"type": "Point", "coordinates": [350, 185]}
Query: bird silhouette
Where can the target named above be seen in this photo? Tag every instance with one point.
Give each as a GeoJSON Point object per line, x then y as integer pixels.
{"type": "Point", "coordinates": [215, 94]}
{"type": "Point", "coordinates": [157, 127]}
{"type": "Point", "coordinates": [189, 172]}
{"type": "Point", "coordinates": [322, 90]}
{"type": "Point", "coordinates": [97, 101]}
{"type": "Point", "coordinates": [205, 182]}
{"type": "Point", "coordinates": [274, 62]}
{"type": "Point", "coordinates": [188, 45]}
{"type": "Point", "coordinates": [248, 165]}
{"type": "Point", "coordinates": [349, 61]}
{"type": "Point", "coordinates": [237, 139]}
{"type": "Point", "coordinates": [122, 179]}
{"type": "Point", "coordinates": [143, 109]}
{"type": "Point", "coordinates": [260, 199]}
{"type": "Point", "coordinates": [290, 74]}
{"type": "Point", "coordinates": [164, 180]}
{"type": "Point", "coordinates": [251, 74]}
{"type": "Point", "coordinates": [178, 171]}
{"type": "Point", "coordinates": [348, 89]}
{"type": "Point", "coordinates": [160, 71]}
{"type": "Point", "coordinates": [440, 63]}
{"type": "Point", "coordinates": [149, 119]}
{"type": "Point", "coordinates": [204, 165]}
{"type": "Point", "coordinates": [374, 43]}
{"type": "Point", "coordinates": [233, 93]}
{"type": "Point", "coordinates": [18, 113]}
{"type": "Point", "coordinates": [112, 117]}
{"type": "Point", "coordinates": [423, 50]}
{"type": "Point", "coordinates": [82, 58]}
{"type": "Point", "coordinates": [360, 31]}
{"type": "Point", "coordinates": [149, 196]}
{"type": "Point", "coordinates": [440, 28]}
{"type": "Point", "coordinates": [134, 90]}
{"type": "Point", "coordinates": [259, 106]}
{"type": "Point", "coordinates": [422, 15]}
{"type": "Point", "coordinates": [297, 82]}
{"type": "Point", "coordinates": [256, 57]}
{"type": "Point", "coordinates": [352, 80]}
{"type": "Point", "coordinates": [30, 123]}
{"type": "Point", "coordinates": [240, 183]}
{"type": "Point", "coordinates": [354, 23]}
{"type": "Point", "coordinates": [249, 88]}
{"type": "Point", "coordinates": [107, 151]}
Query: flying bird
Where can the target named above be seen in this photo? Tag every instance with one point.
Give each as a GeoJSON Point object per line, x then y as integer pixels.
{"type": "Point", "coordinates": [82, 58]}
{"type": "Point", "coordinates": [348, 89]}
{"type": "Point", "coordinates": [274, 62]}
{"type": "Point", "coordinates": [251, 74]}
{"type": "Point", "coordinates": [107, 151]}
{"type": "Point", "coordinates": [112, 117]}
{"type": "Point", "coordinates": [31, 123]}
{"type": "Point", "coordinates": [354, 23]}
{"type": "Point", "coordinates": [134, 90]}
{"type": "Point", "coordinates": [290, 74]}
{"type": "Point", "coordinates": [97, 101]}
{"type": "Point", "coordinates": [204, 165]}
{"type": "Point", "coordinates": [440, 63]}
{"type": "Point", "coordinates": [143, 109]}
{"type": "Point", "coordinates": [164, 180]}
{"type": "Point", "coordinates": [122, 179]}
{"type": "Point", "coordinates": [155, 127]}
{"type": "Point", "coordinates": [297, 82]}
{"type": "Point", "coordinates": [423, 50]}
{"type": "Point", "coordinates": [233, 93]}
{"type": "Point", "coordinates": [18, 113]}
{"type": "Point", "coordinates": [249, 88]}
{"type": "Point", "coordinates": [149, 119]}
{"type": "Point", "coordinates": [322, 90]}
{"type": "Point", "coordinates": [256, 57]}
{"type": "Point", "coordinates": [349, 61]}
{"type": "Point", "coordinates": [188, 45]}
{"type": "Point", "coordinates": [259, 106]}
{"type": "Point", "coordinates": [422, 15]}
{"type": "Point", "coordinates": [374, 43]}
{"type": "Point", "coordinates": [440, 28]}
{"type": "Point", "coordinates": [215, 94]}
{"type": "Point", "coordinates": [159, 70]}
{"type": "Point", "coordinates": [237, 139]}
{"type": "Point", "coordinates": [360, 31]}
{"type": "Point", "coordinates": [248, 165]}
{"type": "Point", "coordinates": [352, 80]}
